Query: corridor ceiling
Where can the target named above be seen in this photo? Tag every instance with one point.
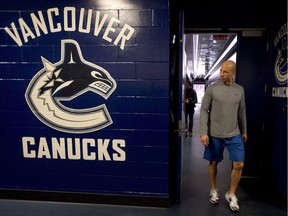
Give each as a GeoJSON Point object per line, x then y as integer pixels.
{"type": "Point", "coordinates": [203, 50]}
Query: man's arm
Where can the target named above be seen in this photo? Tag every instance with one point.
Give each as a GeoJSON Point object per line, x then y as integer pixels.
{"type": "Point", "coordinates": [195, 97]}
{"type": "Point", "coordinates": [204, 112]}
{"type": "Point", "coordinates": [242, 117]}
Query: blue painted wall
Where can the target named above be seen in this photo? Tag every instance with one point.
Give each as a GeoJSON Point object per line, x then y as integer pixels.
{"type": "Point", "coordinates": [130, 154]}
{"type": "Point", "coordinates": [278, 94]}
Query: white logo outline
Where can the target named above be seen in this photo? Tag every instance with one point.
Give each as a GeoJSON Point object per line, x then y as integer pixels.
{"type": "Point", "coordinates": [47, 106]}
{"type": "Point", "coordinates": [280, 66]}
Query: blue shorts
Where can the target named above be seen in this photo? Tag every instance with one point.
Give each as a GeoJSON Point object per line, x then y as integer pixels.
{"type": "Point", "coordinates": [235, 146]}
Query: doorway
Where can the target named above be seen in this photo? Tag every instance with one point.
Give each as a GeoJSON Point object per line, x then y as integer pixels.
{"type": "Point", "coordinates": [202, 55]}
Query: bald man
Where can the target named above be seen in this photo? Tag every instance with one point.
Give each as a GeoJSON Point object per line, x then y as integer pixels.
{"type": "Point", "coordinates": [223, 125]}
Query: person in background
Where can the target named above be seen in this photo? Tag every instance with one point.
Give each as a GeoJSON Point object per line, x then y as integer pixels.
{"type": "Point", "coordinates": [223, 124]}
{"type": "Point", "coordinates": [190, 104]}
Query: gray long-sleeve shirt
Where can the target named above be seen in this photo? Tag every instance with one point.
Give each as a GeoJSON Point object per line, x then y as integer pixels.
{"type": "Point", "coordinates": [223, 111]}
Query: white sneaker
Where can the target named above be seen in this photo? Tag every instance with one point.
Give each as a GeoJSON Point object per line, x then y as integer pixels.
{"type": "Point", "coordinates": [233, 201]}
{"type": "Point", "coordinates": [214, 197]}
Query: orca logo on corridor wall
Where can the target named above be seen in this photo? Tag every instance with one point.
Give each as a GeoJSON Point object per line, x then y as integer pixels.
{"type": "Point", "coordinates": [281, 66]}
{"type": "Point", "coordinates": [63, 81]}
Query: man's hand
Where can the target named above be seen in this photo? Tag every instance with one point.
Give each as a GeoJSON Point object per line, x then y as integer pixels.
{"type": "Point", "coordinates": [244, 137]}
{"type": "Point", "coordinates": [205, 140]}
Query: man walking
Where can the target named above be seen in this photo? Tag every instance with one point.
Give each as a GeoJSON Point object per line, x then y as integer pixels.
{"type": "Point", "coordinates": [190, 104]}
{"type": "Point", "coordinates": [223, 125]}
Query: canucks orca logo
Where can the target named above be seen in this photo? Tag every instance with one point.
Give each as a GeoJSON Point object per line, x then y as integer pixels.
{"type": "Point", "coordinates": [280, 67]}
{"type": "Point", "coordinates": [64, 81]}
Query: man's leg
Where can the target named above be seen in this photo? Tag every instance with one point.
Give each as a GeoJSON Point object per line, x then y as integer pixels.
{"type": "Point", "coordinates": [235, 179]}
{"type": "Point", "coordinates": [212, 169]}
{"type": "Point", "coordinates": [192, 117]}
{"type": "Point", "coordinates": [235, 176]}
{"type": "Point", "coordinates": [186, 119]}
{"type": "Point", "coordinates": [190, 122]}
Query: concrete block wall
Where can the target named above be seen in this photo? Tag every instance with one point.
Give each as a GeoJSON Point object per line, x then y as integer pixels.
{"type": "Point", "coordinates": [40, 149]}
